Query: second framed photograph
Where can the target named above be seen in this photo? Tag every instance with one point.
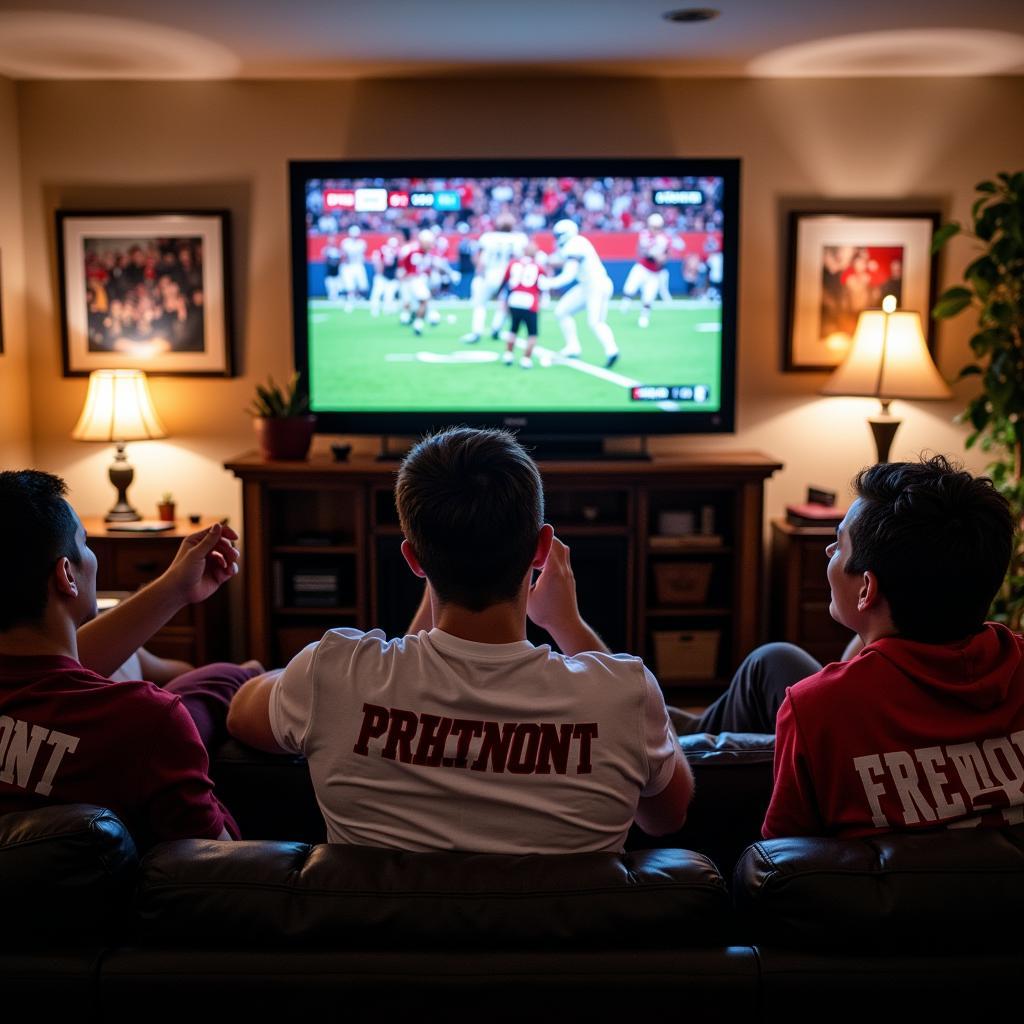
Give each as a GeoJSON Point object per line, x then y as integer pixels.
{"type": "Point", "coordinates": [146, 291]}
{"type": "Point", "coordinates": [842, 263]}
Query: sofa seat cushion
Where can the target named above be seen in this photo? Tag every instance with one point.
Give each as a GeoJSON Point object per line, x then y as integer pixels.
{"type": "Point", "coordinates": [281, 893]}
{"type": "Point", "coordinates": [66, 872]}
{"type": "Point", "coordinates": [938, 890]}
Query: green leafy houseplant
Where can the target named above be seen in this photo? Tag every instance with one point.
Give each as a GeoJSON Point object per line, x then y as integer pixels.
{"type": "Point", "coordinates": [993, 289]}
{"type": "Point", "coordinates": [284, 427]}
{"type": "Point", "coordinates": [274, 402]}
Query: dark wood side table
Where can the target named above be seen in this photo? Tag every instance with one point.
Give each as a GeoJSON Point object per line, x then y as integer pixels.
{"type": "Point", "coordinates": [198, 633]}
{"type": "Point", "coordinates": [800, 592]}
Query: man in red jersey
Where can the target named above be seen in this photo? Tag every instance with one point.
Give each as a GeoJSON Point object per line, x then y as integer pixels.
{"type": "Point", "coordinates": [522, 279]}
{"type": "Point", "coordinates": [68, 733]}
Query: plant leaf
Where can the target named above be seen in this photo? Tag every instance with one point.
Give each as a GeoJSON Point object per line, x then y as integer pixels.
{"type": "Point", "coordinates": [951, 302]}
{"type": "Point", "coordinates": [943, 235]}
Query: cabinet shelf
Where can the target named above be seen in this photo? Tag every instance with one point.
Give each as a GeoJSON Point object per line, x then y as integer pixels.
{"type": "Point", "coordinates": [688, 549]}
{"type": "Point", "coordinates": [688, 611]}
{"type": "Point", "coordinates": [313, 549]}
{"type": "Point", "coordinates": [608, 512]}
{"type": "Point", "coordinates": [316, 611]}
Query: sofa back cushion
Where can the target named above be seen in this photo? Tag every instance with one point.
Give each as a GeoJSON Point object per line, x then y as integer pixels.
{"type": "Point", "coordinates": [66, 873]}
{"type": "Point", "coordinates": [272, 893]}
{"type": "Point", "coordinates": [942, 891]}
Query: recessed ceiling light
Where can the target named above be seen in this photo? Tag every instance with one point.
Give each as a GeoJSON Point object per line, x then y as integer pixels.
{"type": "Point", "coordinates": [690, 14]}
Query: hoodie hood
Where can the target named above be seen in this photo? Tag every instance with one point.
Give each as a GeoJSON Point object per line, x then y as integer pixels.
{"type": "Point", "coordinates": [977, 671]}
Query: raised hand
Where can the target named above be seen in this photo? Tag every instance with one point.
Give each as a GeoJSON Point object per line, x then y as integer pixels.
{"type": "Point", "coordinates": [204, 561]}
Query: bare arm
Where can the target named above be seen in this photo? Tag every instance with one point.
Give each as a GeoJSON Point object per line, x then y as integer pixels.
{"type": "Point", "coordinates": [161, 670]}
{"type": "Point", "coordinates": [552, 605]}
{"type": "Point", "coordinates": [204, 561]}
{"type": "Point", "coordinates": [665, 812]}
{"type": "Point", "coordinates": [249, 713]}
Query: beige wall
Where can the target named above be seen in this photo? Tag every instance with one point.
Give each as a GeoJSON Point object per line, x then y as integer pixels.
{"type": "Point", "coordinates": [98, 145]}
{"type": "Point", "coordinates": [15, 439]}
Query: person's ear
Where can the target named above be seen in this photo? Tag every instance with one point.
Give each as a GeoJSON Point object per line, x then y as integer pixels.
{"type": "Point", "coordinates": [64, 578]}
{"type": "Point", "coordinates": [411, 560]}
{"type": "Point", "coordinates": [869, 595]}
{"type": "Point", "coordinates": [543, 549]}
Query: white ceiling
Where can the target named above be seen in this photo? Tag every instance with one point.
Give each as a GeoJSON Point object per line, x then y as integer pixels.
{"type": "Point", "coordinates": [196, 39]}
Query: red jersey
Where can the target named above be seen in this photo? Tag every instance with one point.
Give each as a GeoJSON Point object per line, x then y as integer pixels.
{"type": "Point", "coordinates": [523, 277]}
{"type": "Point", "coordinates": [653, 249]}
{"type": "Point", "coordinates": [904, 736]}
{"type": "Point", "coordinates": [413, 260]}
{"type": "Point", "coordinates": [68, 735]}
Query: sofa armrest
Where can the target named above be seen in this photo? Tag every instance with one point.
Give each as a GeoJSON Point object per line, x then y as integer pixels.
{"type": "Point", "coordinates": [937, 890]}
{"type": "Point", "coordinates": [65, 871]}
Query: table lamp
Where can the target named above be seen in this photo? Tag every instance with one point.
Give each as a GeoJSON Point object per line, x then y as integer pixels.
{"type": "Point", "coordinates": [888, 359]}
{"type": "Point", "coordinates": [118, 408]}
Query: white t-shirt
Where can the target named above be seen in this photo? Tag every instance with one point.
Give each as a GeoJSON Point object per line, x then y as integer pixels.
{"type": "Point", "coordinates": [432, 742]}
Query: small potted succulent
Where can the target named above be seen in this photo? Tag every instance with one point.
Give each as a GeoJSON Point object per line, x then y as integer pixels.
{"type": "Point", "coordinates": [281, 418]}
{"type": "Point", "coordinates": [165, 508]}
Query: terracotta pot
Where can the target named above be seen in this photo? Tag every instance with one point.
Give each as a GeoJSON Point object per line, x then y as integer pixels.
{"type": "Point", "coordinates": [287, 438]}
{"type": "Point", "coordinates": [165, 511]}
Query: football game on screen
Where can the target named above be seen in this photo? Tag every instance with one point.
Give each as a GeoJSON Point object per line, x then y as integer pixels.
{"type": "Point", "coordinates": [543, 294]}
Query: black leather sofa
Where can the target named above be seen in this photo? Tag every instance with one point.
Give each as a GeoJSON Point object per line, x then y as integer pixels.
{"type": "Point", "coordinates": [803, 929]}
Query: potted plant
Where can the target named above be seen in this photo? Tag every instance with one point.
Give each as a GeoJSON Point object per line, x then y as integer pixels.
{"type": "Point", "coordinates": [281, 418]}
{"type": "Point", "coordinates": [993, 289]}
{"type": "Point", "coordinates": [165, 508]}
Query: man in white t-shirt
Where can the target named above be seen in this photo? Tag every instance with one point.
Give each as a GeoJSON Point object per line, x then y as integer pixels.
{"type": "Point", "coordinates": [463, 735]}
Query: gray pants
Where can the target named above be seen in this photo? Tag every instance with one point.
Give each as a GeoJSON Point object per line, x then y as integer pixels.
{"type": "Point", "coordinates": [755, 694]}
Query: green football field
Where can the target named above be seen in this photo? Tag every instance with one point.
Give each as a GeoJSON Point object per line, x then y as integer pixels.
{"type": "Point", "coordinates": [360, 363]}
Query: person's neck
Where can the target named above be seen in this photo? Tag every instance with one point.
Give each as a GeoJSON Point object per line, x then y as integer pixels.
{"type": "Point", "coordinates": [46, 638]}
{"type": "Point", "coordinates": [503, 623]}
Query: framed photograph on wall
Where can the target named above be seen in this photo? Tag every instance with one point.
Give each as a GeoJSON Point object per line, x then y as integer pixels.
{"type": "Point", "coordinates": [145, 291]}
{"type": "Point", "coordinates": [842, 263]}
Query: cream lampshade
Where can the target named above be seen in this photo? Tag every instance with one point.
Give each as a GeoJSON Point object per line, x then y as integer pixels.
{"type": "Point", "coordinates": [888, 359]}
{"type": "Point", "coordinates": [118, 408]}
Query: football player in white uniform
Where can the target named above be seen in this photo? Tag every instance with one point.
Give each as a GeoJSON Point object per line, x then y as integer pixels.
{"type": "Point", "coordinates": [353, 270]}
{"type": "Point", "coordinates": [589, 288]}
{"type": "Point", "coordinates": [495, 250]}
{"type": "Point", "coordinates": [645, 275]}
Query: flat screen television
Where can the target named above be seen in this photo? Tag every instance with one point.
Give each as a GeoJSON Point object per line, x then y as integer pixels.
{"type": "Point", "coordinates": [618, 277]}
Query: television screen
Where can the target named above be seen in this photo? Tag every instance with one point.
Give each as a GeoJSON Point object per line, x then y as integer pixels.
{"type": "Point", "coordinates": [555, 296]}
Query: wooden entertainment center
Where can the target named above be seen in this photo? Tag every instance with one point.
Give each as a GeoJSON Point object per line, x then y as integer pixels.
{"type": "Point", "coordinates": [667, 555]}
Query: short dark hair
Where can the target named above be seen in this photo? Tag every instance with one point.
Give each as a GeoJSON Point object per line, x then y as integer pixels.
{"type": "Point", "coordinates": [938, 539]}
{"type": "Point", "coordinates": [38, 528]}
{"type": "Point", "coordinates": [471, 505]}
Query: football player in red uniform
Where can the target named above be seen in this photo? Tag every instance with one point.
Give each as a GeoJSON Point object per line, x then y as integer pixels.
{"type": "Point", "coordinates": [645, 275]}
{"type": "Point", "coordinates": [522, 280]}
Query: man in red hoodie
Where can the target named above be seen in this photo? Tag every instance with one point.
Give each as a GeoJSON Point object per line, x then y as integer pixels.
{"type": "Point", "coordinates": [925, 726]}
{"type": "Point", "coordinates": [922, 725]}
